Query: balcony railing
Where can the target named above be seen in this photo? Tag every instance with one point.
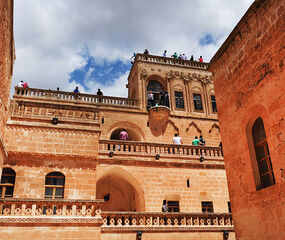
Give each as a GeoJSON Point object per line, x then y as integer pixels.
{"type": "Point", "coordinates": [171, 61]}
{"type": "Point", "coordinates": [158, 148]}
{"type": "Point", "coordinates": [141, 220]}
{"type": "Point", "coordinates": [77, 97]}
{"type": "Point", "coordinates": [49, 207]}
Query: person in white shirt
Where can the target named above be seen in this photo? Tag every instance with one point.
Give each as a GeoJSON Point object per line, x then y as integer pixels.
{"type": "Point", "coordinates": [177, 139]}
{"type": "Point", "coordinates": [20, 85]}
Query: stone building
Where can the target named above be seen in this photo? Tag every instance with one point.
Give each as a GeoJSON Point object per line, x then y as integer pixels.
{"type": "Point", "coordinates": [64, 156]}
{"type": "Point", "coordinates": [66, 174]}
{"type": "Point", "coordinates": [249, 77]}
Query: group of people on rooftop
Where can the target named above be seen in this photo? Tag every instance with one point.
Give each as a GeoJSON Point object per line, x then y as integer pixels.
{"type": "Point", "coordinates": [23, 85]}
{"type": "Point", "coordinates": [176, 56]}
{"type": "Point", "coordinates": [99, 92]}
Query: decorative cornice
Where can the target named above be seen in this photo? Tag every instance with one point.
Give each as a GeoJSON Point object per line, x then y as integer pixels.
{"type": "Point", "coordinates": [164, 161]}
{"type": "Point", "coordinates": [11, 220]}
{"type": "Point", "coordinates": [167, 228]}
{"type": "Point", "coordinates": [52, 128]}
{"type": "Point", "coordinates": [50, 159]}
{"type": "Point", "coordinates": [188, 76]}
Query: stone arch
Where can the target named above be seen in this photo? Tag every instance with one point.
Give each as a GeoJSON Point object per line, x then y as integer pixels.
{"type": "Point", "coordinates": [211, 91]}
{"type": "Point", "coordinates": [215, 125]}
{"type": "Point", "coordinates": [154, 85]}
{"type": "Point", "coordinates": [193, 124]}
{"type": "Point", "coordinates": [135, 133]}
{"type": "Point", "coordinates": [178, 87]}
{"type": "Point", "coordinates": [157, 78]}
{"type": "Point", "coordinates": [196, 90]}
{"type": "Point", "coordinates": [176, 129]}
{"type": "Point", "coordinates": [128, 194]}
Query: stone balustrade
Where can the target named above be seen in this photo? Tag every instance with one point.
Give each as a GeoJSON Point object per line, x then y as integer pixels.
{"type": "Point", "coordinates": [159, 148]}
{"type": "Point", "coordinates": [171, 61]}
{"type": "Point", "coordinates": [142, 220]}
{"type": "Point", "coordinates": [49, 207]}
{"type": "Point", "coordinates": [76, 97]}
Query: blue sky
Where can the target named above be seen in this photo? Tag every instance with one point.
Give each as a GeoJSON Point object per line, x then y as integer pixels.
{"type": "Point", "coordinates": [98, 70]}
{"type": "Point", "coordinates": [207, 39]}
{"type": "Point", "coordinates": [63, 43]}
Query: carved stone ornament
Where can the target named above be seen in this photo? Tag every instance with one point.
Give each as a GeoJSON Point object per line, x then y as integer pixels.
{"type": "Point", "coordinates": [143, 74]}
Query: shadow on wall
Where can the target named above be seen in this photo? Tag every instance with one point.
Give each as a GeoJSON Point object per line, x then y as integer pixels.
{"type": "Point", "coordinates": [158, 119]}
{"type": "Point", "coordinates": [122, 195]}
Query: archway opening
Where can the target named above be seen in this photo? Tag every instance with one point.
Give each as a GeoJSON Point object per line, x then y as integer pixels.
{"type": "Point", "coordinates": [119, 195]}
{"type": "Point", "coordinates": [133, 136]}
{"type": "Point", "coordinates": [154, 90]}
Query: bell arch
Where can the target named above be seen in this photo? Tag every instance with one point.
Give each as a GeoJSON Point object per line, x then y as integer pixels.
{"type": "Point", "coordinates": [155, 85]}
{"type": "Point", "coordinates": [120, 190]}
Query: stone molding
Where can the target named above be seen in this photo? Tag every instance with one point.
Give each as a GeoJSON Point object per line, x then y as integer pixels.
{"type": "Point", "coordinates": [8, 220]}
{"type": "Point", "coordinates": [52, 128]}
{"type": "Point", "coordinates": [214, 126]}
{"type": "Point", "coordinates": [189, 76]}
{"type": "Point", "coordinates": [176, 162]}
{"type": "Point", "coordinates": [167, 228]}
{"type": "Point", "coordinates": [51, 159]}
{"type": "Point", "coordinates": [50, 155]}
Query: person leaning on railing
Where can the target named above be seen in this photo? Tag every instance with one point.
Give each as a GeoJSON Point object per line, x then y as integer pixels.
{"type": "Point", "coordinates": [76, 92]}
{"type": "Point", "coordinates": [20, 85]}
{"type": "Point", "coordinates": [100, 94]}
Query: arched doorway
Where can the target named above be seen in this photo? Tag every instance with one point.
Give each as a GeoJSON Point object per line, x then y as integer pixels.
{"type": "Point", "coordinates": [154, 87]}
{"type": "Point", "coordinates": [133, 136]}
{"type": "Point", "coordinates": [120, 190]}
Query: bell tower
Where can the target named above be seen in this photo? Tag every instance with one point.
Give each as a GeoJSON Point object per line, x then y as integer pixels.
{"type": "Point", "coordinates": [184, 86]}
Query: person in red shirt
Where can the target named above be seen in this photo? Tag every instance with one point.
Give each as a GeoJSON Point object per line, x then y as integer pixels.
{"type": "Point", "coordinates": [200, 59]}
{"type": "Point", "coordinates": [123, 137]}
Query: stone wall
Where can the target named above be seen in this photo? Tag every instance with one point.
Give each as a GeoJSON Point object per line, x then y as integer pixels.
{"type": "Point", "coordinates": [249, 72]}
{"type": "Point", "coordinates": [51, 140]}
{"type": "Point", "coordinates": [167, 236]}
{"type": "Point", "coordinates": [158, 184]}
{"type": "Point", "coordinates": [50, 232]}
{"type": "Point", "coordinates": [140, 123]}
{"type": "Point", "coordinates": [6, 69]}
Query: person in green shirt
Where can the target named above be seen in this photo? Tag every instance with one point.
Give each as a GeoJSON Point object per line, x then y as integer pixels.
{"type": "Point", "coordinates": [196, 141]}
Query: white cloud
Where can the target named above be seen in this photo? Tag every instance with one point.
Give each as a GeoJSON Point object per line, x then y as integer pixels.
{"type": "Point", "coordinates": [50, 34]}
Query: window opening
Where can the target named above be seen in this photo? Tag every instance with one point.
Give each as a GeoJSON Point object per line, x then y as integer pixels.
{"type": "Point", "coordinates": [188, 183]}
{"type": "Point", "coordinates": [229, 207]}
{"type": "Point", "coordinates": [207, 207]}
{"type": "Point", "coordinates": [179, 101]}
{"type": "Point", "coordinates": [54, 185]}
{"type": "Point", "coordinates": [7, 183]}
{"type": "Point", "coordinates": [173, 206]}
{"type": "Point", "coordinates": [262, 154]}
{"type": "Point", "coordinates": [197, 102]}
{"type": "Point", "coordinates": [214, 105]}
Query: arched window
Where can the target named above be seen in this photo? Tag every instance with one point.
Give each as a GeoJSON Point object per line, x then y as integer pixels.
{"type": "Point", "coordinates": [7, 182]}
{"type": "Point", "coordinates": [54, 185]}
{"type": "Point", "coordinates": [154, 88]}
{"type": "Point", "coordinates": [262, 154]}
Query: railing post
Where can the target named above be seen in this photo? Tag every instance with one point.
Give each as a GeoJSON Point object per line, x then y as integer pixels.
{"type": "Point", "coordinates": [73, 210]}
